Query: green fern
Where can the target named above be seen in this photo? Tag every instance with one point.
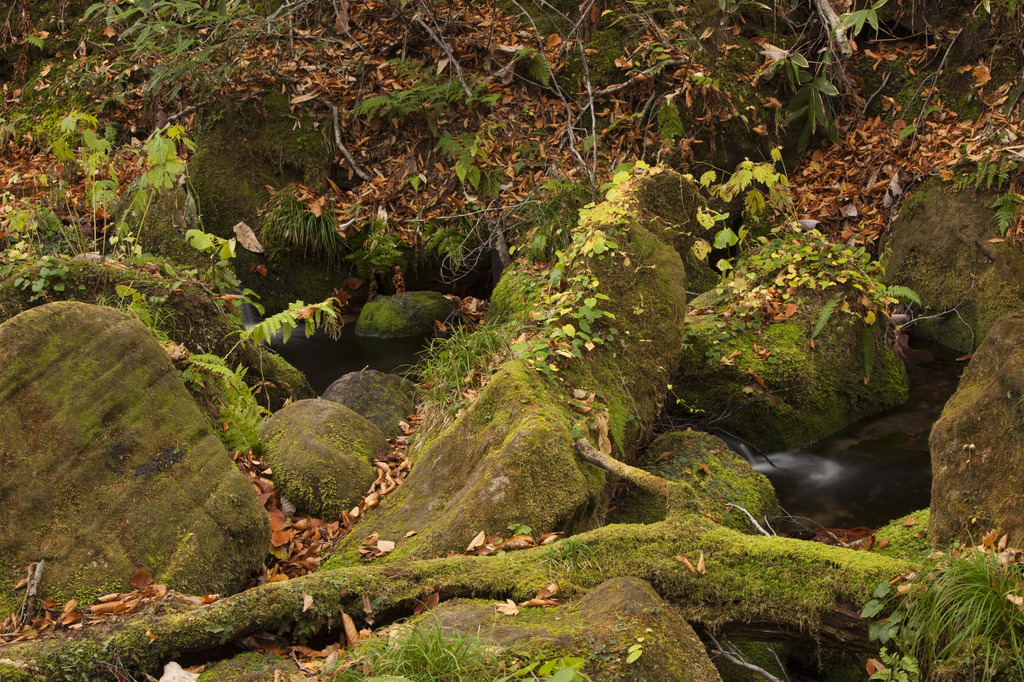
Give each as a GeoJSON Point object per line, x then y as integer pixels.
{"type": "Point", "coordinates": [235, 400]}
{"type": "Point", "coordinates": [992, 174]}
{"type": "Point", "coordinates": [1008, 207]}
{"type": "Point", "coordinates": [318, 315]}
{"type": "Point", "coordinates": [901, 293]}
{"type": "Point", "coordinates": [824, 315]}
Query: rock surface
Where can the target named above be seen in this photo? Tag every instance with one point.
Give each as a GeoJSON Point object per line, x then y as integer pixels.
{"type": "Point", "coordinates": [977, 445]}
{"type": "Point", "coordinates": [781, 389]}
{"type": "Point", "coordinates": [942, 248]}
{"type": "Point", "coordinates": [108, 467]}
{"type": "Point", "coordinates": [601, 627]}
{"type": "Point", "coordinates": [717, 475]}
{"type": "Point", "coordinates": [408, 314]}
{"type": "Point", "coordinates": [384, 399]}
{"type": "Point", "coordinates": [321, 454]}
{"type": "Point", "coordinates": [508, 458]}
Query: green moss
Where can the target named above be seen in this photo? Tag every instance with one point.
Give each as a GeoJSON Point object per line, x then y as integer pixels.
{"type": "Point", "coordinates": [408, 314]}
{"type": "Point", "coordinates": [249, 667]}
{"type": "Point", "coordinates": [121, 437]}
{"type": "Point", "coordinates": [940, 247]}
{"type": "Point", "coordinates": [908, 542]}
{"type": "Point", "coordinates": [605, 46]}
{"type": "Point", "coordinates": [238, 155]}
{"type": "Point", "coordinates": [809, 390]}
{"type": "Point", "coordinates": [11, 673]}
{"type": "Point", "coordinates": [714, 477]}
{"type": "Point", "coordinates": [320, 452]}
{"type": "Point", "coordinates": [515, 295]}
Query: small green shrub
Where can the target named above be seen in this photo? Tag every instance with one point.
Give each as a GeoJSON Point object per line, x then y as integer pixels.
{"type": "Point", "coordinates": [964, 610]}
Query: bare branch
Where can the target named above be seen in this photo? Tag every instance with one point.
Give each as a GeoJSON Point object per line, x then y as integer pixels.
{"type": "Point", "coordinates": [638, 477]}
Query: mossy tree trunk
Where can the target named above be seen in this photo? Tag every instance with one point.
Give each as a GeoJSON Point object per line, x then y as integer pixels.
{"type": "Point", "coordinates": [761, 587]}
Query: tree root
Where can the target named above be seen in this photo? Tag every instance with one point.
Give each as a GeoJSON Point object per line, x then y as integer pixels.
{"type": "Point", "coordinates": [758, 587]}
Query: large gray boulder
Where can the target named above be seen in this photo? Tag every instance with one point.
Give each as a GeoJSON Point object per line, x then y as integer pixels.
{"type": "Point", "coordinates": [977, 444]}
{"type": "Point", "coordinates": [384, 399]}
{"type": "Point", "coordinates": [108, 467]}
{"type": "Point", "coordinates": [408, 314]}
{"type": "Point", "coordinates": [320, 453]}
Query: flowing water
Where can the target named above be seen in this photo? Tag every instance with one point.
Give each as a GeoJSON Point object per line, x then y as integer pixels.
{"type": "Point", "coordinates": [874, 470]}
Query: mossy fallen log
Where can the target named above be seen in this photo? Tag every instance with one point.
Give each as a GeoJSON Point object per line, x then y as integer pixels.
{"type": "Point", "coordinates": [760, 587]}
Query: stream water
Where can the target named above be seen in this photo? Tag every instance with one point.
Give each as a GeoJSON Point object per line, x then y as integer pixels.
{"type": "Point", "coordinates": [322, 359]}
{"type": "Point", "coordinates": [874, 470]}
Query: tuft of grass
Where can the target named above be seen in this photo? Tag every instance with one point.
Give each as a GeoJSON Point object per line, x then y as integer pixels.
{"type": "Point", "coordinates": [962, 610]}
{"type": "Point", "coordinates": [422, 653]}
{"type": "Point", "coordinates": [460, 363]}
{"type": "Point", "coordinates": [571, 555]}
{"type": "Point", "coordinates": [290, 224]}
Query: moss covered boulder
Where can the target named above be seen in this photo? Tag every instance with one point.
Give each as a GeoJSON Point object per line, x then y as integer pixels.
{"type": "Point", "coordinates": [508, 458]}
{"type": "Point", "coordinates": [716, 475]}
{"type": "Point", "coordinates": [977, 444]}
{"type": "Point", "coordinates": [784, 387]}
{"type": "Point", "coordinates": [505, 460]}
{"type": "Point", "coordinates": [411, 313]}
{"type": "Point", "coordinates": [180, 306]}
{"type": "Point", "coordinates": [158, 219]}
{"type": "Point", "coordinates": [384, 399]}
{"type": "Point", "coordinates": [942, 247]}
{"type": "Point", "coordinates": [600, 628]}
{"type": "Point", "coordinates": [107, 467]}
{"type": "Point", "coordinates": [321, 453]}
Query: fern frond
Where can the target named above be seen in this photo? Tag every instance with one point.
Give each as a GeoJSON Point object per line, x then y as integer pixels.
{"type": "Point", "coordinates": [901, 293]}
{"type": "Point", "coordinates": [824, 315]}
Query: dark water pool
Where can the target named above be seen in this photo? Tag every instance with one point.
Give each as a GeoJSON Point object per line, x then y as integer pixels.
{"type": "Point", "coordinates": [875, 469]}
{"type": "Point", "coordinates": [323, 359]}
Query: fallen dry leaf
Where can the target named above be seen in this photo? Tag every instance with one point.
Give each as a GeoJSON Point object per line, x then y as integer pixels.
{"type": "Point", "coordinates": [509, 608]}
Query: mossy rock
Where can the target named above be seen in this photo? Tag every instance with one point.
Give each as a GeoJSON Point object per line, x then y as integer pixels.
{"type": "Point", "coordinates": [239, 152]}
{"type": "Point", "coordinates": [600, 627]}
{"type": "Point", "coordinates": [411, 313]}
{"type": "Point", "coordinates": [505, 460]}
{"type": "Point", "coordinates": [716, 475]}
{"type": "Point", "coordinates": [158, 220]}
{"type": "Point", "coordinates": [384, 399]}
{"type": "Point", "coordinates": [672, 202]}
{"type": "Point", "coordinates": [280, 381]}
{"type": "Point", "coordinates": [107, 466]}
{"type": "Point", "coordinates": [182, 308]}
{"type": "Point", "coordinates": [941, 248]}
{"type": "Point", "coordinates": [810, 389]}
{"type": "Point", "coordinates": [321, 454]}
{"type": "Point", "coordinates": [514, 296]}
{"type": "Point", "coordinates": [251, 666]}
{"type": "Point", "coordinates": [508, 458]}
{"type": "Point", "coordinates": [977, 444]}
{"type": "Point", "coordinates": [909, 542]}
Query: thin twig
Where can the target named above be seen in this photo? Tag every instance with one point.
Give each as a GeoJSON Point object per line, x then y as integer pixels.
{"type": "Point", "coordinates": [448, 52]}
{"type": "Point", "coordinates": [750, 516]}
{"type": "Point", "coordinates": [646, 72]}
{"type": "Point", "coordinates": [340, 145]}
{"type": "Point", "coordinates": [931, 91]}
{"type": "Point", "coordinates": [739, 661]}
